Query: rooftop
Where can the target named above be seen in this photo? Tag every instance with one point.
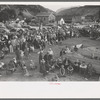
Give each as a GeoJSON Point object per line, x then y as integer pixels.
{"type": "Point", "coordinates": [43, 14]}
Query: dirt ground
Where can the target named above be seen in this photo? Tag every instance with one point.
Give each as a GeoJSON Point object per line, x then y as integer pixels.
{"type": "Point", "coordinates": [35, 75]}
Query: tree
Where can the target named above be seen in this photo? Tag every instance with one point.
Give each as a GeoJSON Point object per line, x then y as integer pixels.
{"type": "Point", "coordinates": [4, 16]}
{"type": "Point", "coordinates": [12, 13]}
{"type": "Point", "coordinates": [7, 14]}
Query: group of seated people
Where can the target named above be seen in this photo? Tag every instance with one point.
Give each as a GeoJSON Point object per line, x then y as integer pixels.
{"type": "Point", "coordinates": [68, 66]}
{"type": "Point", "coordinates": [14, 64]}
{"type": "Point", "coordinates": [70, 49]}
{"type": "Point", "coordinates": [65, 66]}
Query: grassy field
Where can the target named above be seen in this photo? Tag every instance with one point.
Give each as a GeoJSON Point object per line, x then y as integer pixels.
{"type": "Point", "coordinates": [36, 76]}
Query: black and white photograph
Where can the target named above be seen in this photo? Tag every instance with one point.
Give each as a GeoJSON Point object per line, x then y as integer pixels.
{"type": "Point", "coordinates": [50, 42]}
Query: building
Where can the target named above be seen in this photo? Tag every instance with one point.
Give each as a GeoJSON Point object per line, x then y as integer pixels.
{"type": "Point", "coordinates": [92, 17]}
{"type": "Point", "coordinates": [67, 19]}
{"type": "Point", "coordinates": [45, 17]}
{"type": "Point", "coordinates": [88, 18]}
{"type": "Point", "coordinates": [62, 22]}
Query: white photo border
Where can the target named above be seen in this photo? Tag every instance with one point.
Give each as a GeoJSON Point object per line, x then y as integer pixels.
{"type": "Point", "coordinates": [49, 89]}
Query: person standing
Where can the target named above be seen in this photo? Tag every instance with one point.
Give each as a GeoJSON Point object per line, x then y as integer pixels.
{"type": "Point", "coordinates": [40, 58]}
{"type": "Point", "coordinates": [11, 48]}
{"type": "Point", "coordinates": [70, 33]}
{"type": "Point", "coordinates": [42, 66]}
{"type": "Point", "coordinates": [40, 55]}
{"type": "Point", "coordinates": [17, 53]}
{"type": "Point", "coordinates": [26, 52]}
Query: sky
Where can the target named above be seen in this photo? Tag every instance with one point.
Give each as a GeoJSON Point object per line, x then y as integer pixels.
{"type": "Point", "coordinates": [58, 5]}
{"type": "Point", "coordinates": [55, 5]}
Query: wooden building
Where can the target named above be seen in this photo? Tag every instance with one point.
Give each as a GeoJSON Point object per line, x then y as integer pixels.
{"type": "Point", "coordinates": [45, 17]}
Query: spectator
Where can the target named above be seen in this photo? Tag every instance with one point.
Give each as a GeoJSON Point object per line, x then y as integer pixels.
{"type": "Point", "coordinates": [83, 69]}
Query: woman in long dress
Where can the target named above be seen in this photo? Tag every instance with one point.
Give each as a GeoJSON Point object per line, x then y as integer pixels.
{"type": "Point", "coordinates": [42, 67]}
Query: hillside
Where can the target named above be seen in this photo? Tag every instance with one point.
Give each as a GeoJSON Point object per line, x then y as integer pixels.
{"type": "Point", "coordinates": [21, 10]}
{"type": "Point", "coordinates": [80, 11]}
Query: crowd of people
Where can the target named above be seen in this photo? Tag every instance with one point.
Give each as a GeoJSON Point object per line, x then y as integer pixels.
{"type": "Point", "coordinates": [23, 39]}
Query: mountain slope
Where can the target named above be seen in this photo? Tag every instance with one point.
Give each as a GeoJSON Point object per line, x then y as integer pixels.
{"type": "Point", "coordinates": [24, 10]}
{"type": "Point", "coordinates": [81, 11]}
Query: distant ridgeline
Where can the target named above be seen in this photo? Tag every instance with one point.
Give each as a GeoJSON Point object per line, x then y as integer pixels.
{"type": "Point", "coordinates": [78, 14]}
{"type": "Point", "coordinates": [8, 12]}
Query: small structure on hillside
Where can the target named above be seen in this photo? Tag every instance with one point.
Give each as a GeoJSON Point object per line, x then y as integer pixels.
{"type": "Point", "coordinates": [45, 17]}
{"type": "Point", "coordinates": [62, 22]}
{"type": "Point", "coordinates": [52, 18]}
{"type": "Point", "coordinates": [67, 19]}
{"type": "Point", "coordinates": [88, 18]}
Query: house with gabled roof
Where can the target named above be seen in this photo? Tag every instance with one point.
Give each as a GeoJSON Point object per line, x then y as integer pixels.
{"type": "Point", "coordinates": [45, 17]}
